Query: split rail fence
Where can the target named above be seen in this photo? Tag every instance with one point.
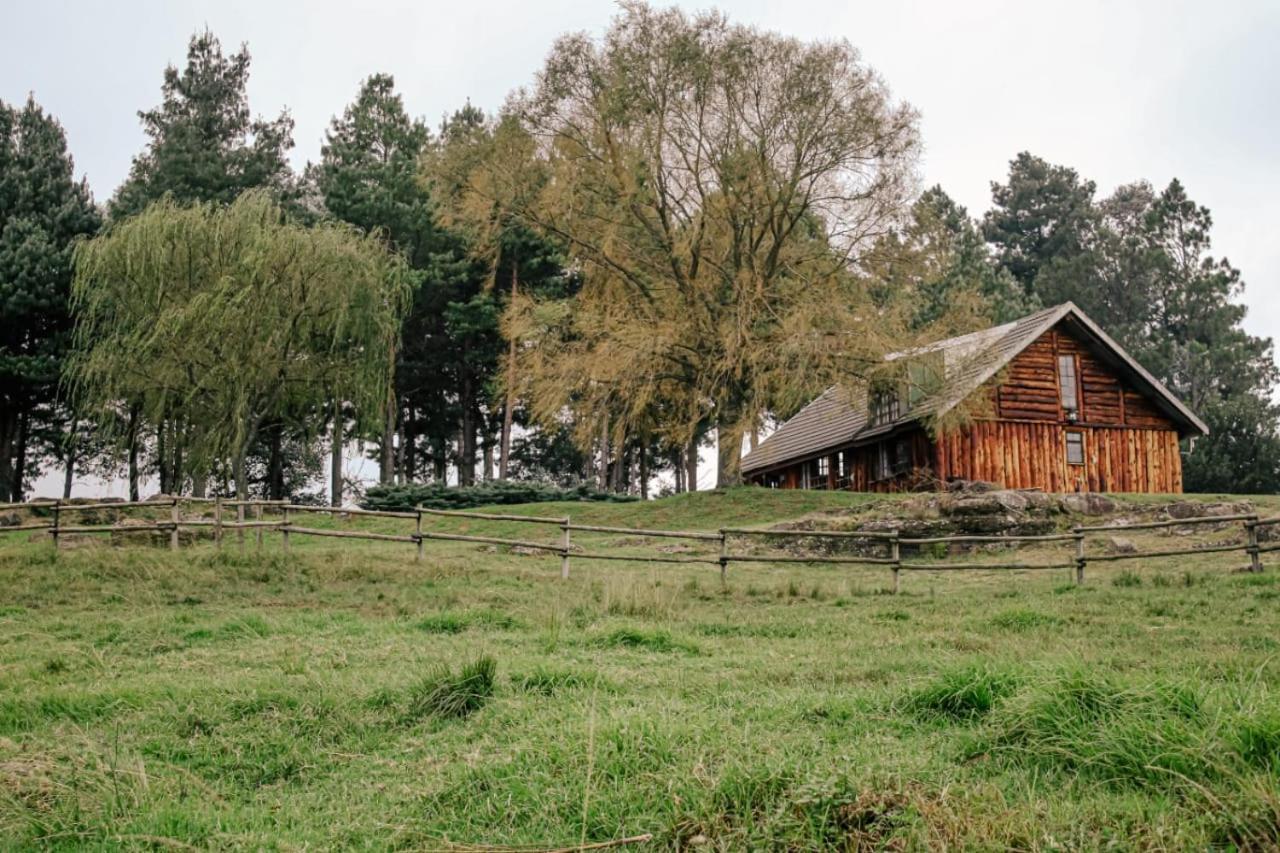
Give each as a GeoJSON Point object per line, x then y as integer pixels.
{"type": "Point", "coordinates": [892, 542]}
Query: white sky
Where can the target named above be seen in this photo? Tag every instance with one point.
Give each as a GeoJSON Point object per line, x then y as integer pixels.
{"type": "Point", "coordinates": [1117, 90]}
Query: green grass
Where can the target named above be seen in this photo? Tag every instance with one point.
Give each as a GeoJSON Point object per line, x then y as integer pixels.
{"type": "Point", "coordinates": [345, 696]}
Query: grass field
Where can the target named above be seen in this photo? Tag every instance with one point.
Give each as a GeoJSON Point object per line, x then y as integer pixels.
{"type": "Point", "coordinates": [344, 697]}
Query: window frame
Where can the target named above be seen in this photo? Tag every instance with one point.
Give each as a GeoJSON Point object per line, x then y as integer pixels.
{"type": "Point", "coordinates": [1077, 434]}
{"type": "Point", "coordinates": [1069, 361]}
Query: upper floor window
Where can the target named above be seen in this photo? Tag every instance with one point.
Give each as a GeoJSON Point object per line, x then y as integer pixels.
{"type": "Point", "coordinates": [1067, 386]}
{"type": "Point", "coordinates": [886, 406]}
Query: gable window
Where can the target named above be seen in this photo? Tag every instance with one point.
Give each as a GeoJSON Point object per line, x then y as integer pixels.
{"type": "Point", "coordinates": [886, 407]}
{"type": "Point", "coordinates": [1075, 447]}
{"type": "Point", "coordinates": [1068, 388]}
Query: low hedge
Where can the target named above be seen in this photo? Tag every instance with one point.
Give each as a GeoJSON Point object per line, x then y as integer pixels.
{"type": "Point", "coordinates": [440, 496]}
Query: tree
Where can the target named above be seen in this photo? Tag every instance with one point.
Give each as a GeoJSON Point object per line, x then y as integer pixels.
{"type": "Point", "coordinates": [1043, 213]}
{"type": "Point", "coordinates": [717, 187]}
{"type": "Point", "coordinates": [367, 176]}
{"type": "Point", "coordinates": [235, 317]}
{"type": "Point", "coordinates": [44, 210]}
{"type": "Point", "coordinates": [204, 146]}
{"type": "Point", "coordinates": [1140, 263]}
{"type": "Point", "coordinates": [940, 258]}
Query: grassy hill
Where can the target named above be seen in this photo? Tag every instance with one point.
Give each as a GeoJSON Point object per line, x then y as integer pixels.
{"type": "Point", "coordinates": [151, 699]}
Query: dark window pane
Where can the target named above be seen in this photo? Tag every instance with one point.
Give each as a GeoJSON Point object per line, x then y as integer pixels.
{"type": "Point", "coordinates": [1075, 448]}
{"type": "Point", "coordinates": [1067, 382]}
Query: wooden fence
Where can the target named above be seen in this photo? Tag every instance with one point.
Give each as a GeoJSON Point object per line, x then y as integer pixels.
{"type": "Point", "coordinates": [891, 542]}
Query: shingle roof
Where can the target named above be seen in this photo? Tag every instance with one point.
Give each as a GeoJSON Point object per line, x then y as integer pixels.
{"type": "Point", "coordinates": [839, 417]}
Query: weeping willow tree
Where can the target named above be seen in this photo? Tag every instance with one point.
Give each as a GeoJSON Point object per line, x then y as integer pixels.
{"type": "Point", "coordinates": [233, 317]}
{"type": "Point", "coordinates": [721, 190]}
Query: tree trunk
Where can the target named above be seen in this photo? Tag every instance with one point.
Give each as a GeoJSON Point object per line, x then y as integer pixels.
{"type": "Point", "coordinates": [240, 474]}
{"type": "Point", "coordinates": [467, 439]}
{"type": "Point", "coordinates": [602, 476]}
{"type": "Point", "coordinates": [275, 462]}
{"type": "Point", "coordinates": [162, 455]}
{"type": "Point", "coordinates": [644, 470]}
{"type": "Point", "coordinates": [504, 452]}
{"type": "Point", "coordinates": [440, 459]}
{"type": "Point", "coordinates": [20, 460]}
{"type": "Point", "coordinates": [132, 438]}
{"type": "Point", "coordinates": [69, 477]}
{"type": "Point", "coordinates": [728, 457]}
{"type": "Point", "coordinates": [691, 465]}
{"type": "Point", "coordinates": [8, 436]}
{"type": "Point", "coordinates": [387, 462]}
{"type": "Point", "coordinates": [199, 484]}
{"type": "Point", "coordinates": [486, 444]}
{"type": "Point", "coordinates": [335, 456]}
{"type": "Point", "coordinates": [409, 448]}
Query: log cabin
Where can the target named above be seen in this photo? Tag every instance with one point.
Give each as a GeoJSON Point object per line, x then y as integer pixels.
{"type": "Point", "coordinates": [1064, 409]}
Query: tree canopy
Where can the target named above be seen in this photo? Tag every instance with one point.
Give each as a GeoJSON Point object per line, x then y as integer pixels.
{"type": "Point", "coordinates": [233, 316]}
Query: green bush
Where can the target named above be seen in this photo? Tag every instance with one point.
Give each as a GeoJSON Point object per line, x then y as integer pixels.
{"type": "Point", "coordinates": [440, 496]}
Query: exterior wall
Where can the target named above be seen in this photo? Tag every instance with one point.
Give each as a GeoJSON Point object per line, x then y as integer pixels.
{"type": "Point", "coordinates": [1032, 455]}
{"type": "Point", "coordinates": [1129, 445]}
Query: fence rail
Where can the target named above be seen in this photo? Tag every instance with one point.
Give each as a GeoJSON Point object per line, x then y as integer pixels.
{"type": "Point", "coordinates": [890, 541]}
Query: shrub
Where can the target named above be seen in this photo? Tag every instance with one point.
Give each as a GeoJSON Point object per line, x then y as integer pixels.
{"type": "Point", "coordinates": [440, 496]}
{"type": "Point", "coordinates": [443, 694]}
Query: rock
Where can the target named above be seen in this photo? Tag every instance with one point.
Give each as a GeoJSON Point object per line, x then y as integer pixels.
{"type": "Point", "coordinates": [10, 519]}
{"type": "Point", "coordinates": [1195, 509]}
{"type": "Point", "coordinates": [1120, 545]}
{"type": "Point", "coordinates": [986, 503]}
{"type": "Point", "coordinates": [1088, 503]}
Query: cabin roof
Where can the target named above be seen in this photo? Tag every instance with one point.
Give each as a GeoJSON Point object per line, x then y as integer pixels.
{"type": "Point", "coordinates": [839, 416]}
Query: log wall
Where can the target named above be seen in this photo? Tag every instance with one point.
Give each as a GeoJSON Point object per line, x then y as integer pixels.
{"type": "Point", "coordinates": [1032, 455]}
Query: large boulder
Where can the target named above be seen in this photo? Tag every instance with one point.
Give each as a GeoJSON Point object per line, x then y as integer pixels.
{"type": "Point", "coordinates": [1194, 509]}
{"type": "Point", "coordinates": [1088, 503]}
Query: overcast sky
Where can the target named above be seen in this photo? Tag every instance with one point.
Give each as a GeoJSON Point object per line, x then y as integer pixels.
{"type": "Point", "coordinates": [1117, 90]}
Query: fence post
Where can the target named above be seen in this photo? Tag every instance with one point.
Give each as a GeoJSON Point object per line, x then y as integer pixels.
{"type": "Point", "coordinates": [1255, 558]}
{"type": "Point", "coordinates": [173, 531]}
{"type": "Point", "coordinates": [418, 533]}
{"type": "Point", "coordinates": [257, 516]}
{"type": "Point", "coordinates": [240, 522]}
{"type": "Point", "coordinates": [1079, 534]}
{"type": "Point", "coordinates": [217, 522]}
{"type": "Point", "coordinates": [284, 529]}
{"type": "Point", "coordinates": [564, 549]}
{"type": "Point", "coordinates": [895, 554]}
{"type": "Point", "coordinates": [57, 506]}
{"type": "Point", "coordinates": [724, 559]}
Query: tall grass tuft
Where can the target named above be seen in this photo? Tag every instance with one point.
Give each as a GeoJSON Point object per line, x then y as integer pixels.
{"type": "Point", "coordinates": [446, 695]}
{"type": "Point", "coordinates": [965, 693]}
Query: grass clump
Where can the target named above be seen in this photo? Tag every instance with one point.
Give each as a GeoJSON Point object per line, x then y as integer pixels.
{"type": "Point", "coordinates": [1080, 722]}
{"type": "Point", "coordinates": [962, 694]}
{"type": "Point", "coordinates": [449, 622]}
{"type": "Point", "coordinates": [1127, 578]}
{"type": "Point", "coordinates": [1023, 620]}
{"type": "Point", "coordinates": [450, 696]}
{"type": "Point", "coordinates": [659, 640]}
{"type": "Point", "coordinates": [544, 681]}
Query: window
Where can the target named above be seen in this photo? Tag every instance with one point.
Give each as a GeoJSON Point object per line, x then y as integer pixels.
{"type": "Point", "coordinates": [923, 379]}
{"type": "Point", "coordinates": [1075, 447]}
{"type": "Point", "coordinates": [885, 406]}
{"type": "Point", "coordinates": [902, 457]}
{"type": "Point", "coordinates": [824, 465]}
{"type": "Point", "coordinates": [882, 462]}
{"type": "Point", "coordinates": [1067, 383]}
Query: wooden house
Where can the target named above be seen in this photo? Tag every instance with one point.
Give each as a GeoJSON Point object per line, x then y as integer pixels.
{"type": "Point", "coordinates": [1067, 409]}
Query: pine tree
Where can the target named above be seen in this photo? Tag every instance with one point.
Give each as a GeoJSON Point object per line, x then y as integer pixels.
{"type": "Point", "coordinates": [203, 144]}
{"type": "Point", "coordinates": [44, 210]}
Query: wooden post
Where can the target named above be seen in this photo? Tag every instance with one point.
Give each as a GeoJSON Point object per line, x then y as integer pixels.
{"type": "Point", "coordinates": [724, 559]}
{"type": "Point", "coordinates": [240, 521]}
{"type": "Point", "coordinates": [257, 516]}
{"type": "Point", "coordinates": [564, 549]}
{"type": "Point", "coordinates": [53, 531]}
{"type": "Point", "coordinates": [284, 529]}
{"type": "Point", "coordinates": [418, 533]}
{"type": "Point", "coordinates": [1080, 560]}
{"type": "Point", "coordinates": [173, 531]}
{"type": "Point", "coordinates": [895, 554]}
{"type": "Point", "coordinates": [1255, 558]}
{"type": "Point", "coordinates": [217, 522]}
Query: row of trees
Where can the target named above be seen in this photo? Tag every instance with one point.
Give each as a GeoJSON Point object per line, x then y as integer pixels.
{"type": "Point", "coordinates": [681, 232]}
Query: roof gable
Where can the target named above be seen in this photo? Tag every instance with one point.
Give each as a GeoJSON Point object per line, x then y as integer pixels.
{"type": "Point", "coordinates": [840, 417]}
